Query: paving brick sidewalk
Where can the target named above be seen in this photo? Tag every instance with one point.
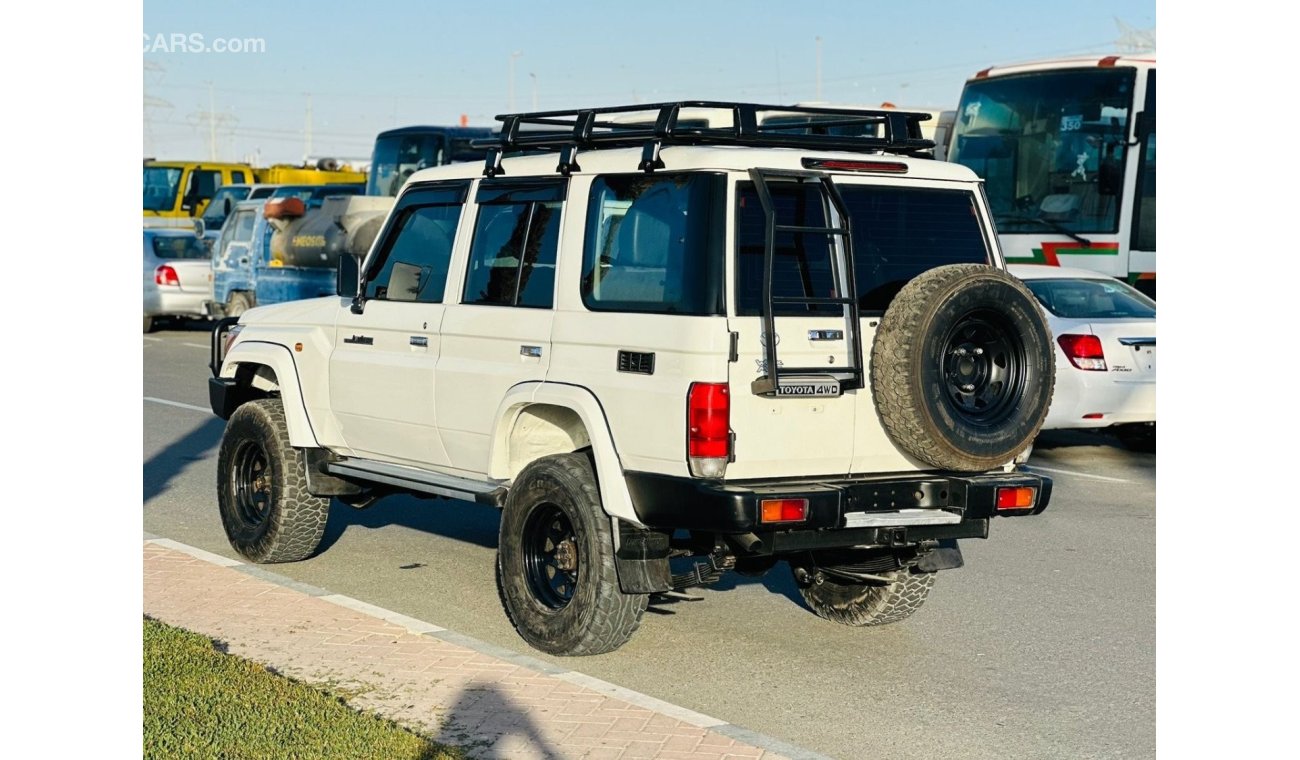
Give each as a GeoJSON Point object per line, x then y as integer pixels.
{"type": "Point", "coordinates": [402, 669]}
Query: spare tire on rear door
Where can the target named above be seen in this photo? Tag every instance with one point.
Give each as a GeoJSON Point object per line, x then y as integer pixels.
{"type": "Point", "coordinates": [962, 368]}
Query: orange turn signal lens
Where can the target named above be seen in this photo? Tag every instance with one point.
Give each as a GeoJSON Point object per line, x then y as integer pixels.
{"type": "Point", "coordinates": [783, 510]}
{"type": "Point", "coordinates": [1016, 498]}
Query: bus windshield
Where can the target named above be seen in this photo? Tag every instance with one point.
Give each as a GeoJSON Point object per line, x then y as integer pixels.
{"type": "Point", "coordinates": [1050, 145]}
{"type": "Point", "coordinates": [398, 157]}
{"type": "Point", "coordinates": [160, 187]}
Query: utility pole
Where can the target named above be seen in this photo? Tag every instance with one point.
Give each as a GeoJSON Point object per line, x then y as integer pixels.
{"type": "Point", "coordinates": [212, 124]}
{"type": "Point", "coordinates": [307, 155]}
{"type": "Point", "coordinates": [513, 56]}
{"type": "Point", "coordinates": [819, 68]}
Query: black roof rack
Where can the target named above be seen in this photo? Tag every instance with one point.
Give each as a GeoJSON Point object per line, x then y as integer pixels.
{"type": "Point", "coordinates": [749, 124]}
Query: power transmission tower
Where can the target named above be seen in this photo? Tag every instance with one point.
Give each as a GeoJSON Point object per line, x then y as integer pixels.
{"type": "Point", "coordinates": [152, 103]}
{"type": "Point", "coordinates": [1132, 40]}
{"type": "Point", "coordinates": [213, 120]}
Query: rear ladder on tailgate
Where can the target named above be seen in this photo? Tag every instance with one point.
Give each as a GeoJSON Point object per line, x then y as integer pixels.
{"type": "Point", "coordinates": [852, 376]}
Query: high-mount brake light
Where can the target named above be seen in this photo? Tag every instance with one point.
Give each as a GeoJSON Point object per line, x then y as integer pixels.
{"type": "Point", "coordinates": [165, 275]}
{"type": "Point", "coordinates": [889, 167]}
{"type": "Point", "coordinates": [1108, 62]}
{"type": "Point", "coordinates": [782, 510]}
{"type": "Point", "coordinates": [708, 429]}
{"type": "Point", "coordinates": [983, 74]}
{"type": "Point", "coordinates": [1083, 351]}
{"type": "Point", "coordinates": [1020, 497]}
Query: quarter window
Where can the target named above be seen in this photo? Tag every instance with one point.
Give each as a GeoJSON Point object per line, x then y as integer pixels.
{"type": "Point", "coordinates": [654, 244]}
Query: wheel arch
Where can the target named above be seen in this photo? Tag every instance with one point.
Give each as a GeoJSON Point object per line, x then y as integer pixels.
{"type": "Point", "coordinates": [263, 369]}
{"type": "Point", "coordinates": [540, 419]}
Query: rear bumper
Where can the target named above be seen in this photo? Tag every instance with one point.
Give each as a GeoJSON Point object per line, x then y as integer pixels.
{"type": "Point", "coordinates": [1079, 393]}
{"type": "Point", "coordinates": [852, 512]}
{"type": "Point", "coordinates": [174, 303]}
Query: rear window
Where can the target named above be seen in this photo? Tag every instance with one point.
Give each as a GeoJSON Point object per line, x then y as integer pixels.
{"type": "Point", "coordinates": [897, 233]}
{"type": "Point", "coordinates": [179, 247]}
{"type": "Point", "coordinates": [1091, 299]}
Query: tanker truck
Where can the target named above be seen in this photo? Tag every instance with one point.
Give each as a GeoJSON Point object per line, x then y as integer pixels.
{"type": "Point", "coordinates": [284, 251]}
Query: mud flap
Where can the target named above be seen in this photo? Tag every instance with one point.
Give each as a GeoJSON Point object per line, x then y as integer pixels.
{"type": "Point", "coordinates": [641, 560]}
{"type": "Point", "coordinates": [944, 557]}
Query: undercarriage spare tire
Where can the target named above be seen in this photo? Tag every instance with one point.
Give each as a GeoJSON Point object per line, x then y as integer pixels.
{"type": "Point", "coordinates": [962, 368]}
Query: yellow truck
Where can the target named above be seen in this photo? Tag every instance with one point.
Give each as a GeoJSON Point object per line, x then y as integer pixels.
{"type": "Point", "coordinates": [180, 190]}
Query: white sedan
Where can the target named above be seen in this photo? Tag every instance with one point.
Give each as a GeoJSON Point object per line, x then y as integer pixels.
{"type": "Point", "coordinates": [1105, 334]}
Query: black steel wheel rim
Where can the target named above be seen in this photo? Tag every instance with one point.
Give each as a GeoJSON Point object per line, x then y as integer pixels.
{"type": "Point", "coordinates": [984, 368]}
{"type": "Point", "coordinates": [551, 556]}
{"type": "Point", "coordinates": [251, 477]}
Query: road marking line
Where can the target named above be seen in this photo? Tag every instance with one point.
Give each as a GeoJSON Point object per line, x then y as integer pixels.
{"type": "Point", "coordinates": [1080, 474]}
{"type": "Point", "coordinates": [203, 409]}
{"type": "Point", "coordinates": [196, 345]}
{"type": "Point", "coordinates": [146, 337]}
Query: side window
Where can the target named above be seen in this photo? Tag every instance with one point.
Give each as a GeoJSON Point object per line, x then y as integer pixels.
{"type": "Point", "coordinates": [512, 261]}
{"type": "Point", "coordinates": [237, 177]}
{"type": "Point", "coordinates": [244, 226]}
{"type": "Point", "coordinates": [654, 244]}
{"type": "Point", "coordinates": [416, 255]}
{"type": "Point", "coordinates": [203, 185]}
{"type": "Point", "coordinates": [1144, 212]}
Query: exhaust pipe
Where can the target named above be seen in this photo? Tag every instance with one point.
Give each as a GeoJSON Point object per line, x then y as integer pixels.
{"type": "Point", "coordinates": [745, 542]}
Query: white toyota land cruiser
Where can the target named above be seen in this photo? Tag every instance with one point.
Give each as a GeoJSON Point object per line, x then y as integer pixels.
{"type": "Point", "coordinates": [745, 339]}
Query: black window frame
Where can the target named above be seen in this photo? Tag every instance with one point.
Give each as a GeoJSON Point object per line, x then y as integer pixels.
{"type": "Point", "coordinates": [529, 192]}
{"type": "Point", "coordinates": [1144, 139]}
{"type": "Point", "coordinates": [424, 194]}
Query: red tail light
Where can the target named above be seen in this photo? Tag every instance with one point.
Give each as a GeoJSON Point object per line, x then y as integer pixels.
{"type": "Point", "coordinates": [783, 510]}
{"type": "Point", "coordinates": [1083, 351]}
{"type": "Point", "coordinates": [165, 275]}
{"type": "Point", "coordinates": [708, 429]}
{"type": "Point", "coordinates": [1016, 498]}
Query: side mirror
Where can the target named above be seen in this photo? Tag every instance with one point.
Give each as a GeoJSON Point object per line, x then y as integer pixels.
{"type": "Point", "coordinates": [349, 276]}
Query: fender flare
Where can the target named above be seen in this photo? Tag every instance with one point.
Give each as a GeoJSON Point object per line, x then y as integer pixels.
{"type": "Point", "coordinates": [614, 496]}
{"type": "Point", "coordinates": [280, 360]}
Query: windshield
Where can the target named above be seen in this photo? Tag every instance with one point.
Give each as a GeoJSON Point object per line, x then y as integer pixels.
{"type": "Point", "coordinates": [1091, 299]}
{"type": "Point", "coordinates": [215, 214]}
{"type": "Point", "coordinates": [1050, 146]}
{"type": "Point", "coordinates": [160, 187]}
{"type": "Point", "coordinates": [179, 247]}
{"type": "Point", "coordinates": [397, 158]}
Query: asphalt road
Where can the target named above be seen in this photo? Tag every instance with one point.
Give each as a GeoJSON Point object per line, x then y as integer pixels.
{"type": "Point", "coordinates": [1042, 646]}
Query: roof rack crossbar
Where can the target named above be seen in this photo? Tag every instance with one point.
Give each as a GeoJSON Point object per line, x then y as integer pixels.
{"type": "Point", "coordinates": [665, 124]}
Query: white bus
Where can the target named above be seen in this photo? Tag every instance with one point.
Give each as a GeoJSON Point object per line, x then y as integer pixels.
{"type": "Point", "coordinates": [1067, 150]}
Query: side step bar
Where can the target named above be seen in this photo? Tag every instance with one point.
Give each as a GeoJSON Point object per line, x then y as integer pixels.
{"type": "Point", "coordinates": [414, 479]}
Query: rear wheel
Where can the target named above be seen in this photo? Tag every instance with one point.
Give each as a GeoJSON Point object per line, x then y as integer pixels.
{"type": "Point", "coordinates": [148, 324]}
{"type": "Point", "coordinates": [862, 603]}
{"type": "Point", "coordinates": [267, 512]}
{"type": "Point", "coordinates": [555, 562]}
{"type": "Point", "coordinates": [239, 303]}
{"type": "Point", "coordinates": [962, 369]}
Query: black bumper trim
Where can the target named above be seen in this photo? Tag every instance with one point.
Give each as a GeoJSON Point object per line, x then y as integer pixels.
{"type": "Point", "coordinates": [669, 503]}
{"type": "Point", "coordinates": [222, 396]}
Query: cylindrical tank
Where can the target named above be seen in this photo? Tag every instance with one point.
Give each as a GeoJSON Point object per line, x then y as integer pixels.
{"type": "Point", "coordinates": [317, 238]}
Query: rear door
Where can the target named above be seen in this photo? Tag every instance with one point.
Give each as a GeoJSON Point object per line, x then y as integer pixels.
{"type": "Point", "coordinates": [789, 435]}
{"type": "Point", "coordinates": [499, 335]}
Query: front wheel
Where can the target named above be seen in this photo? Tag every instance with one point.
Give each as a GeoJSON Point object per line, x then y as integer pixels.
{"type": "Point", "coordinates": [267, 512]}
{"type": "Point", "coordinates": [555, 562]}
{"type": "Point", "coordinates": [238, 304]}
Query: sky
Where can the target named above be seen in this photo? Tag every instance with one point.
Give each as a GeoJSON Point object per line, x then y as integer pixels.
{"type": "Point", "coordinates": [351, 70]}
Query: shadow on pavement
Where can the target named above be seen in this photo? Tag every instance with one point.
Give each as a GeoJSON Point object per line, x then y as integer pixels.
{"type": "Point", "coordinates": [484, 717]}
{"type": "Point", "coordinates": [161, 468]}
{"type": "Point", "coordinates": [460, 520]}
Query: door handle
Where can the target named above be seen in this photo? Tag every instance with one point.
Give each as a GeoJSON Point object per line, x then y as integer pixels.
{"type": "Point", "coordinates": [531, 351]}
{"type": "Point", "coordinates": [419, 340]}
